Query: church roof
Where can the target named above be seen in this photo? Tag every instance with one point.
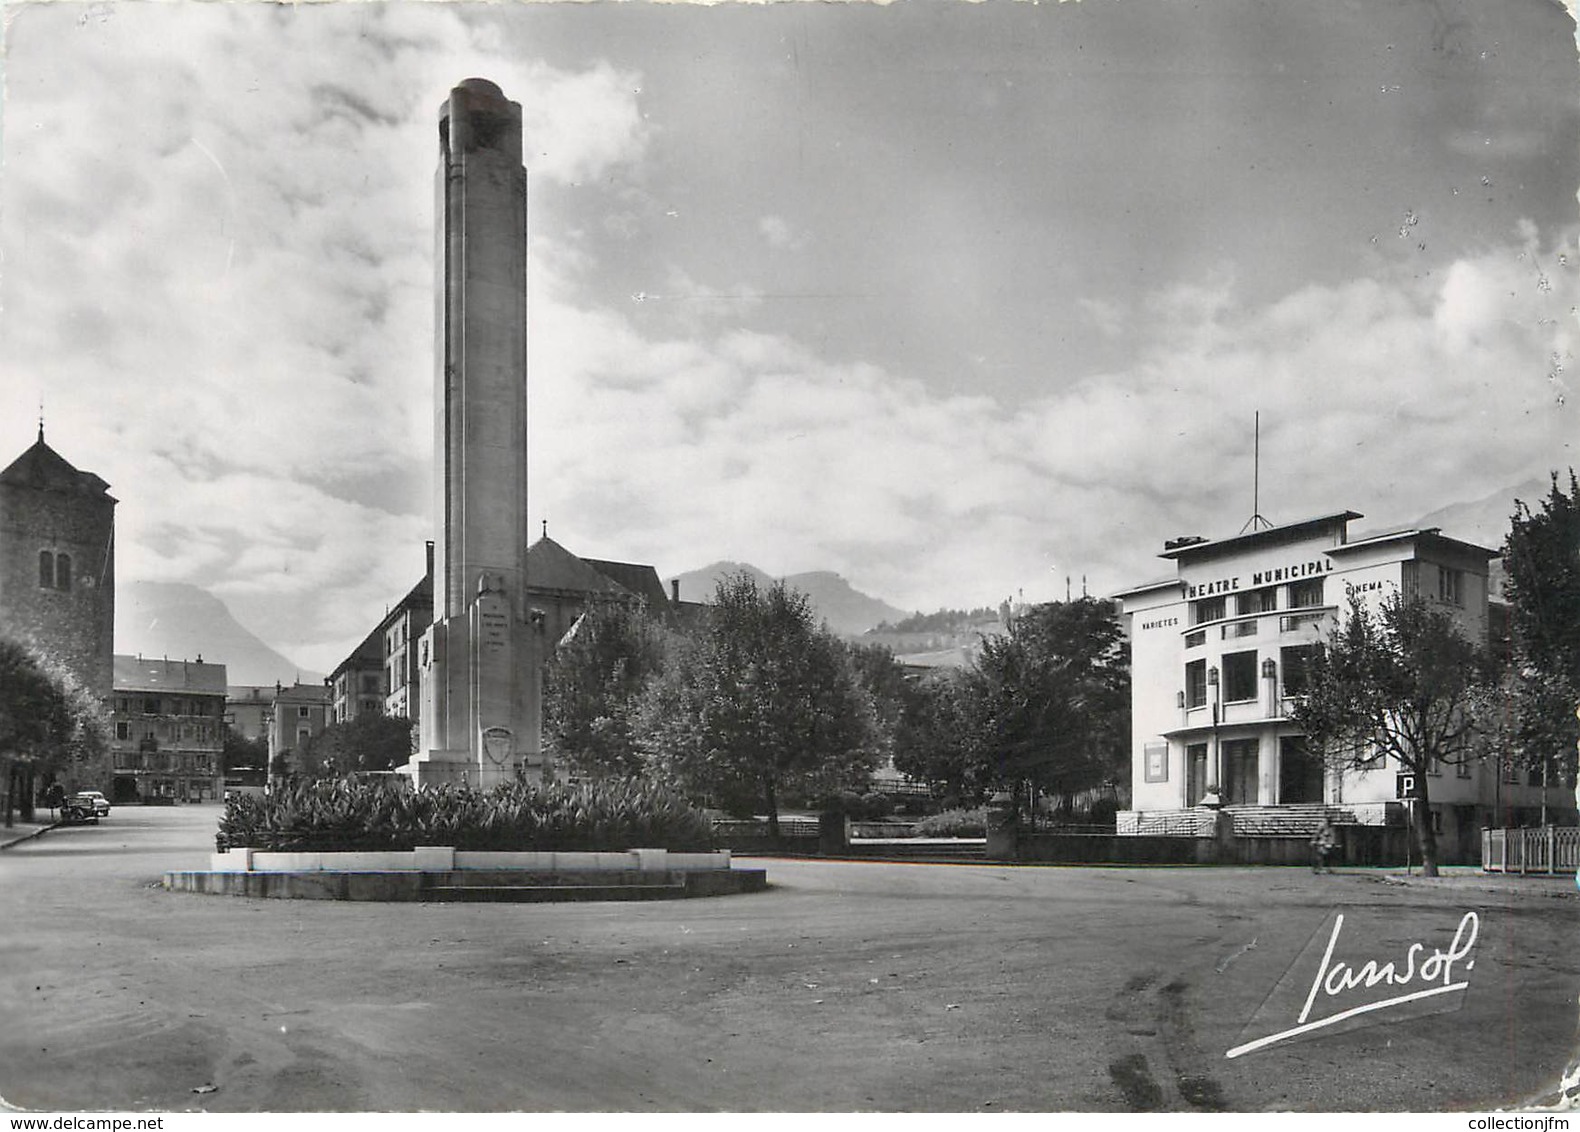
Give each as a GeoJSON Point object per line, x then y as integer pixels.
{"type": "Point", "coordinates": [43, 468]}
{"type": "Point", "coordinates": [551, 567]}
{"type": "Point", "coordinates": [639, 579]}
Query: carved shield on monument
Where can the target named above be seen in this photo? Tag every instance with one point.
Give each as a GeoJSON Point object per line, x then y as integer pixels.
{"type": "Point", "coordinates": [498, 745]}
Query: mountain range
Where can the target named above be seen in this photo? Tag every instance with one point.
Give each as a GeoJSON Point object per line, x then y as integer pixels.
{"type": "Point", "coordinates": [179, 620]}
{"type": "Point", "coordinates": [847, 611]}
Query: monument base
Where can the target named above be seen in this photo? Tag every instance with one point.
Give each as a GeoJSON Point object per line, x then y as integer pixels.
{"type": "Point", "coordinates": [456, 768]}
{"type": "Point", "coordinates": [441, 768]}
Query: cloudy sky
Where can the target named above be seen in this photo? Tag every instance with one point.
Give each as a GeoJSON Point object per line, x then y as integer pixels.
{"type": "Point", "coordinates": [955, 299]}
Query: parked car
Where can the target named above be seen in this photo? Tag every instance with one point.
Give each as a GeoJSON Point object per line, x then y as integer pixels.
{"type": "Point", "coordinates": [85, 805]}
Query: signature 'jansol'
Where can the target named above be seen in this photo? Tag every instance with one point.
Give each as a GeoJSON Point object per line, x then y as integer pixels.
{"type": "Point", "coordinates": [1435, 973]}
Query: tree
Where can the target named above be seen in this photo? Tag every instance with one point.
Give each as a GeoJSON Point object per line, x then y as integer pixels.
{"type": "Point", "coordinates": [1535, 717]}
{"type": "Point", "coordinates": [1048, 703]}
{"type": "Point", "coordinates": [240, 754]}
{"type": "Point", "coordinates": [49, 723]}
{"type": "Point", "coordinates": [1400, 684]}
{"type": "Point", "coordinates": [1542, 558]}
{"type": "Point", "coordinates": [594, 685]}
{"type": "Point", "coordinates": [1526, 718]}
{"type": "Point", "coordinates": [884, 680]}
{"type": "Point", "coordinates": [367, 742]}
{"type": "Point", "coordinates": [930, 742]}
{"type": "Point", "coordinates": [761, 703]}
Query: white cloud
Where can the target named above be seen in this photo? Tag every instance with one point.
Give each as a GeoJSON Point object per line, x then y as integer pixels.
{"type": "Point", "coordinates": [220, 282]}
{"type": "Point", "coordinates": [779, 235]}
{"type": "Point", "coordinates": [218, 275]}
{"type": "Point", "coordinates": [1391, 396]}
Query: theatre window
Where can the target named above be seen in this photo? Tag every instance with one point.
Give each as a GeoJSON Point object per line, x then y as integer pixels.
{"type": "Point", "coordinates": [1264, 600]}
{"type": "Point", "coordinates": [1239, 676]}
{"type": "Point", "coordinates": [1209, 609]}
{"type": "Point", "coordinates": [1240, 772]}
{"type": "Point", "coordinates": [1196, 684]}
{"type": "Point", "coordinates": [1296, 661]}
{"type": "Point", "coordinates": [1306, 594]}
{"type": "Point", "coordinates": [1300, 772]}
{"type": "Point", "coordinates": [1195, 773]}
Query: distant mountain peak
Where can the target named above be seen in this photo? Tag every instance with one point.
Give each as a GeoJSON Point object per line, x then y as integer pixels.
{"type": "Point", "coordinates": [181, 620]}
{"type": "Point", "coordinates": [846, 610]}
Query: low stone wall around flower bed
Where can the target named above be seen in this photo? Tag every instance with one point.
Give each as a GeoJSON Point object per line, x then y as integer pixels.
{"type": "Point", "coordinates": [442, 874]}
{"type": "Point", "coordinates": [442, 859]}
{"type": "Point", "coordinates": [473, 885]}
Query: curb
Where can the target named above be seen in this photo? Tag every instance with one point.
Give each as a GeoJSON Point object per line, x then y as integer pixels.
{"type": "Point", "coordinates": [39, 832]}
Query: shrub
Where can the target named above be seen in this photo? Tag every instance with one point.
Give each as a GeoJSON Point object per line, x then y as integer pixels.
{"type": "Point", "coordinates": [1104, 811]}
{"type": "Point", "coordinates": [876, 805]}
{"type": "Point", "coordinates": [954, 823]}
{"type": "Point", "coordinates": [344, 815]}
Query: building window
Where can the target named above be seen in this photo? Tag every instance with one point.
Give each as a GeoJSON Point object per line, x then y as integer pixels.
{"type": "Point", "coordinates": [1296, 661]}
{"type": "Point", "coordinates": [150, 706]}
{"type": "Point", "coordinates": [123, 730]}
{"type": "Point", "coordinates": [1451, 586]}
{"type": "Point", "coordinates": [1195, 772]}
{"type": "Point", "coordinates": [1209, 609]}
{"type": "Point", "coordinates": [1196, 684]}
{"type": "Point", "coordinates": [1264, 600]}
{"type": "Point", "coordinates": [1196, 639]}
{"type": "Point", "coordinates": [1239, 629]}
{"type": "Point", "coordinates": [301, 713]}
{"type": "Point", "coordinates": [1241, 771]}
{"type": "Point", "coordinates": [1239, 676]}
{"type": "Point", "coordinates": [1300, 773]}
{"type": "Point", "coordinates": [1462, 768]}
{"type": "Point", "coordinates": [303, 735]}
{"type": "Point", "coordinates": [54, 570]}
{"type": "Point", "coordinates": [1306, 594]}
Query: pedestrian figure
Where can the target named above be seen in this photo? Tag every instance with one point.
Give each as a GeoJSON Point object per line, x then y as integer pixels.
{"type": "Point", "coordinates": [1322, 843]}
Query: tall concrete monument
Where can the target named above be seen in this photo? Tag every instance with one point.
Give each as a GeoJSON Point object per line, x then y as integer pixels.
{"type": "Point", "coordinates": [480, 660]}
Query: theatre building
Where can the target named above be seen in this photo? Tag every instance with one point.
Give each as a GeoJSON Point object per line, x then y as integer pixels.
{"type": "Point", "coordinates": [1220, 648]}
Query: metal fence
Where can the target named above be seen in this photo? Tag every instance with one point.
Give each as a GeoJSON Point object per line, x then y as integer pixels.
{"type": "Point", "coordinates": [758, 827]}
{"type": "Point", "coordinates": [1548, 849]}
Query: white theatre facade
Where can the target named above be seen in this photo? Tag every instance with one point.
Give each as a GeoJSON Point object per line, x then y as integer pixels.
{"type": "Point", "coordinates": [1219, 650]}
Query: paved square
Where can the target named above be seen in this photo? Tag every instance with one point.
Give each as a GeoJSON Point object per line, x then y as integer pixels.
{"type": "Point", "coordinates": [847, 986]}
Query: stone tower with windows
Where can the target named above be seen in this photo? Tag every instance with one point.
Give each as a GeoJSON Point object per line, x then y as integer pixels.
{"type": "Point", "coordinates": [57, 564]}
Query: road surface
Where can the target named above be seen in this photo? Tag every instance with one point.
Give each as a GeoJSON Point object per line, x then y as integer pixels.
{"type": "Point", "coordinates": [847, 986]}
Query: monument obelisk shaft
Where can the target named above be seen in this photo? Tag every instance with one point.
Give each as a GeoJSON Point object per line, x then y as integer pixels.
{"type": "Point", "coordinates": [480, 719]}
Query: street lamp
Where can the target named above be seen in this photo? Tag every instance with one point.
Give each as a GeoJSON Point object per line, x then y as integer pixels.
{"type": "Point", "coordinates": [1215, 787]}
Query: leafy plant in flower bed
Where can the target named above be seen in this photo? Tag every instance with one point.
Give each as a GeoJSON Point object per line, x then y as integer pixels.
{"type": "Point", "coordinates": [352, 816]}
{"type": "Point", "coordinates": [954, 823]}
